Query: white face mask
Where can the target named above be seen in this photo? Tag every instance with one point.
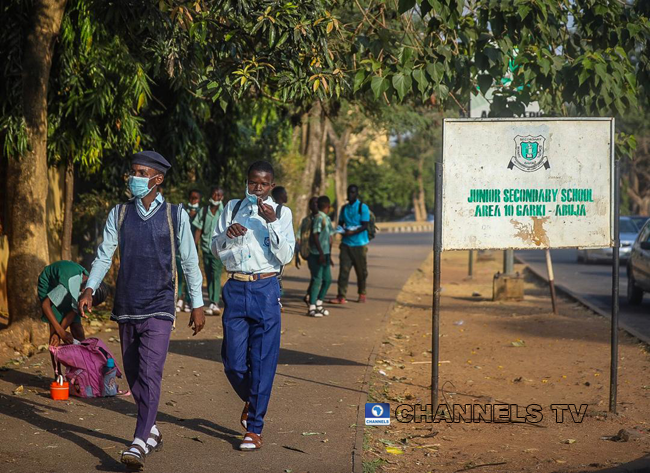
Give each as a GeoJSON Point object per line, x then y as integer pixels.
{"type": "Point", "coordinates": [193, 206]}
{"type": "Point", "coordinates": [215, 202]}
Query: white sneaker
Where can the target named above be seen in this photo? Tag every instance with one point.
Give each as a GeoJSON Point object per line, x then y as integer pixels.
{"type": "Point", "coordinates": [179, 305]}
{"type": "Point", "coordinates": [214, 309]}
{"type": "Point", "coordinates": [207, 311]}
{"type": "Point", "coordinates": [186, 308]}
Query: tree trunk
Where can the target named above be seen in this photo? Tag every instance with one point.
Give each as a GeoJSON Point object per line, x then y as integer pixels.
{"type": "Point", "coordinates": [27, 175]}
{"type": "Point", "coordinates": [66, 239]}
{"type": "Point", "coordinates": [312, 156]}
{"type": "Point", "coordinates": [341, 165]}
{"type": "Point", "coordinates": [419, 198]}
{"type": "Point", "coordinates": [320, 183]}
{"type": "Point", "coordinates": [416, 207]}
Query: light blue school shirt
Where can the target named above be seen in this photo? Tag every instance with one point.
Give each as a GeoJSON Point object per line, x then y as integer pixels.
{"type": "Point", "coordinates": [186, 250]}
{"type": "Point", "coordinates": [351, 217]}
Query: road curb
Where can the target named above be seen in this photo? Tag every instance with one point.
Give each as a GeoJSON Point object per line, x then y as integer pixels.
{"type": "Point", "coordinates": [406, 229]}
{"type": "Point", "coordinates": [569, 293]}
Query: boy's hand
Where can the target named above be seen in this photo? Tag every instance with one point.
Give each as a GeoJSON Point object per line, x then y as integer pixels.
{"type": "Point", "coordinates": [322, 260]}
{"type": "Point", "coordinates": [55, 340]}
{"type": "Point", "coordinates": [197, 317]}
{"type": "Point", "coordinates": [86, 302]}
{"type": "Point", "coordinates": [236, 230]}
{"type": "Point", "coordinates": [266, 211]}
{"type": "Point", "coordinates": [67, 338]}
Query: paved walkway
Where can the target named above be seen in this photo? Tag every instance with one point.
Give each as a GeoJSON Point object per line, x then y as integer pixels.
{"type": "Point", "coordinates": [310, 423]}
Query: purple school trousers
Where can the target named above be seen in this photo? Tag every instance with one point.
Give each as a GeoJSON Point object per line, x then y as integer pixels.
{"type": "Point", "coordinates": [144, 349]}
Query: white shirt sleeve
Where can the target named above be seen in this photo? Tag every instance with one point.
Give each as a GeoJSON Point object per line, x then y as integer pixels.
{"type": "Point", "coordinates": [282, 237]}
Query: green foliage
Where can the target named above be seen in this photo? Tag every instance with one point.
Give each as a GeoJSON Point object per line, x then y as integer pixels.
{"type": "Point", "coordinates": [587, 57]}
{"type": "Point", "coordinates": [270, 48]}
{"type": "Point", "coordinates": [99, 89]}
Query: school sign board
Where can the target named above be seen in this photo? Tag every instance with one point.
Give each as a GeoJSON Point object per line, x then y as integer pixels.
{"type": "Point", "coordinates": [511, 183]}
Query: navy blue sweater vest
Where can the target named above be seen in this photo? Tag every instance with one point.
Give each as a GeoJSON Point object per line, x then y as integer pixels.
{"type": "Point", "coordinates": [145, 281]}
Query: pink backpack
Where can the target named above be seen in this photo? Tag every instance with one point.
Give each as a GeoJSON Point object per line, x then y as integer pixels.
{"type": "Point", "coordinates": [84, 364]}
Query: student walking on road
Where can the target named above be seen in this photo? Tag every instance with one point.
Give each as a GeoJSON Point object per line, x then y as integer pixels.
{"type": "Point", "coordinates": [304, 236]}
{"type": "Point", "coordinates": [320, 258]}
{"type": "Point", "coordinates": [193, 205]}
{"type": "Point", "coordinates": [204, 225]}
{"type": "Point", "coordinates": [254, 240]}
{"type": "Point", "coordinates": [354, 219]}
{"type": "Point", "coordinates": [149, 232]}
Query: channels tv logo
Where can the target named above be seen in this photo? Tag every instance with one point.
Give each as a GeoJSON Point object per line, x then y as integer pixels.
{"type": "Point", "coordinates": [377, 413]}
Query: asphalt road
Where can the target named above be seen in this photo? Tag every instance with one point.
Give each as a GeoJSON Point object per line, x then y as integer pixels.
{"type": "Point", "coordinates": [312, 423]}
{"type": "Point", "coordinates": [593, 283]}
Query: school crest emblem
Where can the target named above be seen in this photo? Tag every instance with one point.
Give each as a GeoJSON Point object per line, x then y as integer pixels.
{"type": "Point", "coordinates": [529, 153]}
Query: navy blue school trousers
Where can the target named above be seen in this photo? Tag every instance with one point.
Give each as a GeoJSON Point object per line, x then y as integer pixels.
{"type": "Point", "coordinates": [251, 342]}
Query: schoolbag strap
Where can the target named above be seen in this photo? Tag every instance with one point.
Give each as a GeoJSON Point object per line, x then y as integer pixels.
{"type": "Point", "coordinates": [179, 213]}
{"type": "Point", "coordinates": [341, 214]}
{"type": "Point", "coordinates": [173, 245]}
{"type": "Point", "coordinates": [278, 211]}
{"type": "Point", "coordinates": [121, 213]}
{"type": "Point", "coordinates": [235, 210]}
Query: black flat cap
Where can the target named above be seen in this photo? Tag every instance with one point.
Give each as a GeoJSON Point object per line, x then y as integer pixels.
{"type": "Point", "coordinates": [151, 159]}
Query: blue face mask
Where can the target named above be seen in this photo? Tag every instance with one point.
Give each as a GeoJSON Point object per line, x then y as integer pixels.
{"type": "Point", "coordinates": [139, 186]}
{"type": "Point", "coordinates": [252, 198]}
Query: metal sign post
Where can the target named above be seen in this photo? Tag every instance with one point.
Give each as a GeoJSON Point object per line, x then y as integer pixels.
{"type": "Point", "coordinates": [613, 369]}
{"type": "Point", "coordinates": [437, 249]}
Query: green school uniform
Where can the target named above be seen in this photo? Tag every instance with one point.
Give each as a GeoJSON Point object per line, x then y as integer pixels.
{"type": "Point", "coordinates": [321, 275]}
{"type": "Point", "coordinates": [206, 221]}
{"type": "Point", "coordinates": [323, 226]}
{"type": "Point", "coordinates": [61, 283]}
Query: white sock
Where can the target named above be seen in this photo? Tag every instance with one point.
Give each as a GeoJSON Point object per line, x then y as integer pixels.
{"type": "Point", "coordinates": [319, 303]}
{"type": "Point", "coordinates": [312, 307]}
{"type": "Point", "coordinates": [139, 442]}
{"type": "Point", "coordinates": [154, 430]}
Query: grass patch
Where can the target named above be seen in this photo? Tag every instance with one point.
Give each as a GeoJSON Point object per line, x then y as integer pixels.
{"type": "Point", "coordinates": [371, 466]}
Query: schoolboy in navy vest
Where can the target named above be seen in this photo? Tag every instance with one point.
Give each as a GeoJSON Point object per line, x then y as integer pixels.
{"type": "Point", "coordinates": [149, 233]}
{"type": "Point", "coordinates": [254, 240]}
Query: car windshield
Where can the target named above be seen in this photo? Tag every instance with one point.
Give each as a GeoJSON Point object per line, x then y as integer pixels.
{"type": "Point", "coordinates": [627, 226]}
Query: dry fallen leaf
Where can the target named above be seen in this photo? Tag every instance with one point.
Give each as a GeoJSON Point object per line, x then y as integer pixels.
{"type": "Point", "coordinates": [19, 390]}
{"type": "Point", "coordinates": [394, 450]}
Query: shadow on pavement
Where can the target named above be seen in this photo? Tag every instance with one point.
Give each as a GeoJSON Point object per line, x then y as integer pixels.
{"type": "Point", "coordinates": [211, 351]}
{"type": "Point", "coordinates": [28, 411]}
{"type": "Point", "coordinates": [640, 465]}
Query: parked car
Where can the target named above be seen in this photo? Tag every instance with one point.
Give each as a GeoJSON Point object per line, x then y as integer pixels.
{"type": "Point", "coordinates": [628, 232]}
{"type": "Point", "coordinates": [639, 220]}
{"type": "Point", "coordinates": [638, 267]}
